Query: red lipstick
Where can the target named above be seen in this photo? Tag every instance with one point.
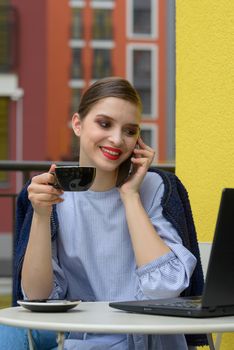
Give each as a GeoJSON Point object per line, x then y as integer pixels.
{"type": "Point", "coordinates": [111, 152]}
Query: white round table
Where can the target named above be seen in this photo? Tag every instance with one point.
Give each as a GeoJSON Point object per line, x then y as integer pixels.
{"type": "Point", "coordinates": [98, 317]}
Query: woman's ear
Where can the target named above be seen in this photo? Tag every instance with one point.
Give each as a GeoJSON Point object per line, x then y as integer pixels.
{"type": "Point", "coordinates": [76, 124]}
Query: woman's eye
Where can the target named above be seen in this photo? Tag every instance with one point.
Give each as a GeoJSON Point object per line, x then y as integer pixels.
{"type": "Point", "coordinates": [131, 132]}
{"type": "Point", "coordinates": [103, 124]}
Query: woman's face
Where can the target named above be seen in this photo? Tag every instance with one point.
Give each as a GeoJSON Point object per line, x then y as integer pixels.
{"type": "Point", "coordinates": [108, 133]}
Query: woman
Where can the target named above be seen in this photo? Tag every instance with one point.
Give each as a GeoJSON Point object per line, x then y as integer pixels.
{"type": "Point", "coordinates": [113, 243]}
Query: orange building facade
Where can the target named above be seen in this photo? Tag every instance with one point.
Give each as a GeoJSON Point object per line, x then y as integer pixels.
{"type": "Point", "coordinates": [128, 39]}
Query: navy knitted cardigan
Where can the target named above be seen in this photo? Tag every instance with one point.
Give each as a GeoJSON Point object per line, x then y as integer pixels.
{"type": "Point", "coordinates": [176, 209]}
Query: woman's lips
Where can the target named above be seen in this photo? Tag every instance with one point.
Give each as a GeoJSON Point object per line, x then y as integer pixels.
{"type": "Point", "coordinates": [111, 153]}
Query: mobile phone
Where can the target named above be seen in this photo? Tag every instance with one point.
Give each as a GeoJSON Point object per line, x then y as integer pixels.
{"type": "Point", "coordinates": [124, 171]}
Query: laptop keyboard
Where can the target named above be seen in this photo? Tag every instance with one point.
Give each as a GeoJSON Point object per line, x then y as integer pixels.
{"type": "Point", "coordinates": [189, 304]}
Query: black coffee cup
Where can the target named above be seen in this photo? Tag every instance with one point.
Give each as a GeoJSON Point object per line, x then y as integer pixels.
{"type": "Point", "coordinates": [74, 178]}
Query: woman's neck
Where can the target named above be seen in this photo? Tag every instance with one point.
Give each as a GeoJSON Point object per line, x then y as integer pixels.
{"type": "Point", "coordinates": [104, 181]}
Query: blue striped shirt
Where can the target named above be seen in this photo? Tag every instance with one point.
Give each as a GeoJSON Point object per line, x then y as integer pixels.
{"type": "Point", "coordinates": [93, 260]}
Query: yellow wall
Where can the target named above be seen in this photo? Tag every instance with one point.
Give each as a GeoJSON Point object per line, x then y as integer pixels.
{"type": "Point", "coordinates": [205, 108]}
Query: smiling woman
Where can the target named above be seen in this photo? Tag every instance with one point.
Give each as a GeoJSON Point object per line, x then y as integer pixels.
{"type": "Point", "coordinates": [110, 129]}
{"type": "Point", "coordinates": [106, 243]}
{"type": "Point", "coordinates": [107, 124]}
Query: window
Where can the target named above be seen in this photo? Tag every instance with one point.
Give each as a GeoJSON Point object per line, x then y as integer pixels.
{"type": "Point", "coordinates": [4, 40]}
{"type": "Point", "coordinates": [102, 24]}
{"type": "Point", "coordinates": [143, 74]}
{"type": "Point", "coordinates": [77, 23]}
{"type": "Point", "coordinates": [8, 38]}
{"type": "Point", "coordinates": [4, 141]}
{"type": "Point", "coordinates": [75, 99]}
{"type": "Point", "coordinates": [142, 77]}
{"type": "Point", "coordinates": [102, 63]}
{"type": "Point", "coordinates": [142, 18]}
{"type": "Point", "coordinates": [149, 134]}
{"type": "Point", "coordinates": [77, 71]}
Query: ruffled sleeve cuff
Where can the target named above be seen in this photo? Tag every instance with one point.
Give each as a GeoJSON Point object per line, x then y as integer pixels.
{"type": "Point", "coordinates": [166, 276]}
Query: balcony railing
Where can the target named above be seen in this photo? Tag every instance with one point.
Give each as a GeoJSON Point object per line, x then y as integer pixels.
{"type": "Point", "coordinates": [27, 168]}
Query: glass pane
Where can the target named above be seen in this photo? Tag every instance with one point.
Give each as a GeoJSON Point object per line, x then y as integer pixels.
{"type": "Point", "coordinates": [8, 38]}
{"type": "Point", "coordinates": [142, 77]}
{"type": "Point", "coordinates": [77, 71]}
{"type": "Point", "coordinates": [146, 98]}
{"type": "Point", "coordinates": [75, 99]}
{"type": "Point", "coordinates": [4, 39]}
{"type": "Point", "coordinates": [142, 66]}
{"type": "Point", "coordinates": [77, 23]}
{"type": "Point", "coordinates": [4, 136]}
{"type": "Point", "coordinates": [102, 66]}
{"type": "Point", "coordinates": [147, 136]}
{"type": "Point", "coordinates": [102, 24]}
{"type": "Point", "coordinates": [142, 17]}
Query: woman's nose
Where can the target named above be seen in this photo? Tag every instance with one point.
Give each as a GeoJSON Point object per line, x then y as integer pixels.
{"type": "Point", "coordinates": [116, 137]}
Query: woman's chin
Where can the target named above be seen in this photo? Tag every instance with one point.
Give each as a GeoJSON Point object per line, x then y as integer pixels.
{"type": "Point", "coordinates": [107, 167]}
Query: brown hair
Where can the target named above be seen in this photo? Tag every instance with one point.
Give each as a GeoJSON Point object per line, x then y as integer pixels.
{"type": "Point", "coordinates": [108, 87]}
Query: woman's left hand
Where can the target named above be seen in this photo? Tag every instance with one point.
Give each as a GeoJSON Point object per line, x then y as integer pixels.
{"type": "Point", "coordinates": [144, 156]}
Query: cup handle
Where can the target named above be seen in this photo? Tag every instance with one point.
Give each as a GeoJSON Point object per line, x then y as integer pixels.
{"type": "Point", "coordinates": [56, 183]}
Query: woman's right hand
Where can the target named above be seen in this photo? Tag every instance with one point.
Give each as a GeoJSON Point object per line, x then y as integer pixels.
{"type": "Point", "coordinates": [42, 194]}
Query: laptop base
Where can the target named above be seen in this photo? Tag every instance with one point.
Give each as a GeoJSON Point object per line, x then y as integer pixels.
{"type": "Point", "coordinates": [181, 307]}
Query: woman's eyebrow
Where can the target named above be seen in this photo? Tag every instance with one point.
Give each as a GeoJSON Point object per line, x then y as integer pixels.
{"type": "Point", "coordinates": [104, 115]}
{"type": "Point", "coordinates": [134, 125]}
{"type": "Point", "coordinates": [109, 117]}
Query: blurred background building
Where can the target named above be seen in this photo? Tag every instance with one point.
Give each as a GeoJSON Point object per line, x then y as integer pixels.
{"type": "Point", "coordinates": [51, 50]}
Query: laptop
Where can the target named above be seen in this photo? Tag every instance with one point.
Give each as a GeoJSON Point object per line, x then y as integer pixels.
{"type": "Point", "coordinates": [217, 298]}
